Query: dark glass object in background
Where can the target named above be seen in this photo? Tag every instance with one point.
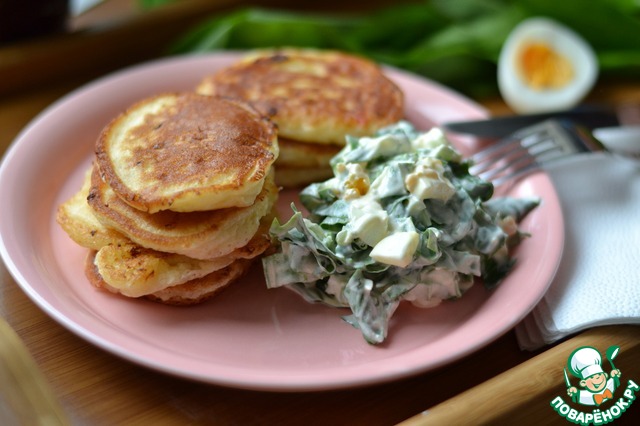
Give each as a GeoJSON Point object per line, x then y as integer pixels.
{"type": "Point", "coordinates": [25, 19]}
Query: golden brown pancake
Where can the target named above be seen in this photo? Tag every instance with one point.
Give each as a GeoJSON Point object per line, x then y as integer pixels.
{"type": "Point", "coordinates": [197, 291]}
{"type": "Point", "coordinates": [200, 235]}
{"type": "Point", "coordinates": [304, 154]}
{"type": "Point", "coordinates": [124, 267]}
{"type": "Point", "coordinates": [191, 292]}
{"type": "Point", "coordinates": [297, 177]}
{"type": "Point", "coordinates": [312, 95]}
{"type": "Point", "coordinates": [135, 271]}
{"type": "Point", "coordinates": [316, 97]}
{"type": "Point", "coordinates": [186, 152]}
{"type": "Point", "coordinates": [179, 200]}
{"type": "Point", "coordinates": [78, 220]}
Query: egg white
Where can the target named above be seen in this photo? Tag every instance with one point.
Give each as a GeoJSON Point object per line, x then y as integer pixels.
{"type": "Point", "coordinates": [514, 89]}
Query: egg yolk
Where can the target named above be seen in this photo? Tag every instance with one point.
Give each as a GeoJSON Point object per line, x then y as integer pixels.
{"type": "Point", "coordinates": [543, 68]}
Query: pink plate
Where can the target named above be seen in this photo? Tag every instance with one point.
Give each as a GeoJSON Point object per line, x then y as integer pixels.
{"type": "Point", "coordinates": [248, 337]}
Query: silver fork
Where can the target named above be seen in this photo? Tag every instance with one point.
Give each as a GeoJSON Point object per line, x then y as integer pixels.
{"type": "Point", "coordinates": [530, 149]}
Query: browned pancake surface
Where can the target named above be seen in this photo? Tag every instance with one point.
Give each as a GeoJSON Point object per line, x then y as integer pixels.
{"type": "Point", "coordinates": [305, 154]}
{"type": "Point", "coordinates": [187, 152]}
{"type": "Point", "coordinates": [312, 95]}
{"type": "Point", "coordinates": [200, 235]}
{"type": "Point", "coordinates": [192, 292]}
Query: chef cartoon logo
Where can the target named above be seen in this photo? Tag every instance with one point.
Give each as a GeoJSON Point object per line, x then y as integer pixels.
{"type": "Point", "coordinates": [585, 363]}
{"type": "Point", "coordinates": [594, 384]}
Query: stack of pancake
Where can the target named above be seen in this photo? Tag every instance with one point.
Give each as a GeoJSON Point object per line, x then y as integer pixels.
{"type": "Point", "coordinates": [316, 98]}
{"type": "Point", "coordinates": [181, 195]}
{"type": "Point", "coordinates": [179, 199]}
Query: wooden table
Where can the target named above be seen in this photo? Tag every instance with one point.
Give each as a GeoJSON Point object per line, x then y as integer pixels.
{"type": "Point", "coordinates": [499, 384]}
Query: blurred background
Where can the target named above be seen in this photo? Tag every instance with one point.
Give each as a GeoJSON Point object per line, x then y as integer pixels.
{"type": "Point", "coordinates": [456, 42]}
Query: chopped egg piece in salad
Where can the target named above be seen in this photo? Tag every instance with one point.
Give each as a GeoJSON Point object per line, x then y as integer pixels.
{"type": "Point", "coordinates": [428, 182]}
{"type": "Point", "coordinates": [402, 219]}
{"type": "Point", "coordinates": [396, 249]}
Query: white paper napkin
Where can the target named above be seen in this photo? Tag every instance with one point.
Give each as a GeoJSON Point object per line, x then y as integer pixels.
{"type": "Point", "coordinates": [598, 281]}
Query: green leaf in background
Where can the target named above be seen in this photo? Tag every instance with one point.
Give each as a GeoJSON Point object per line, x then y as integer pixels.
{"type": "Point", "coordinates": [454, 42]}
{"type": "Point", "coordinates": [463, 55]}
{"type": "Point", "coordinates": [605, 24]}
{"type": "Point", "coordinates": [255, 28]}
{"type": "Point", "coordinates": [149, 4]}
{"type": "Point", "coordinates": [465, 10]}
{"type": "Point", "coordinates": [394, 30]}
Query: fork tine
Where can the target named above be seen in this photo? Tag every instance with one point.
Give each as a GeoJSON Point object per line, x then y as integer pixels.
{"type": "Point", "coordinates": [496, 148]}
{"type": "Point", "coordinates": [513, 164]}
{"type": "Point", "coordinates": [490, 163]}
{"type": "Point", "coordinates": [509, 151]}
{"type": "Point", "coordinates": [529, 149]}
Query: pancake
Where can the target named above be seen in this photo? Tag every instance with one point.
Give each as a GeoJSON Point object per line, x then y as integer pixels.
{"type": "Point", "coordinates": [191, 292]}
{"type": "Point", "coordinates": [312, 95]}
{"type": "Point", "coordinates": [135, 271]}
{"type": "Point", "coordinates": [297, 177]}
{"type": "Point", "coordinates": [200, 235]}
{"type": "Point", "coordinates": [304, 154]}
{"type": "Point", "coordinates": [78, 220]}
{"type": "Point", "coordinates": [186, 152]}
{"type": "Point", "coordinates": [197, 291]}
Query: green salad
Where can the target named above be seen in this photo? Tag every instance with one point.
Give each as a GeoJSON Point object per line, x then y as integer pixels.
{"type": "Point", "coordinates": [402, 219]}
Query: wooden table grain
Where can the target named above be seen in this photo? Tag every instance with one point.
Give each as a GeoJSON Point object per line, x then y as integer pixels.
{"type": "Point", "coordinates": [499, 384]}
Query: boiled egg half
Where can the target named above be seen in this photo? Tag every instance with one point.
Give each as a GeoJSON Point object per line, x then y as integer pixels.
{"type": "Point", "coordinates": [545, 66]}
